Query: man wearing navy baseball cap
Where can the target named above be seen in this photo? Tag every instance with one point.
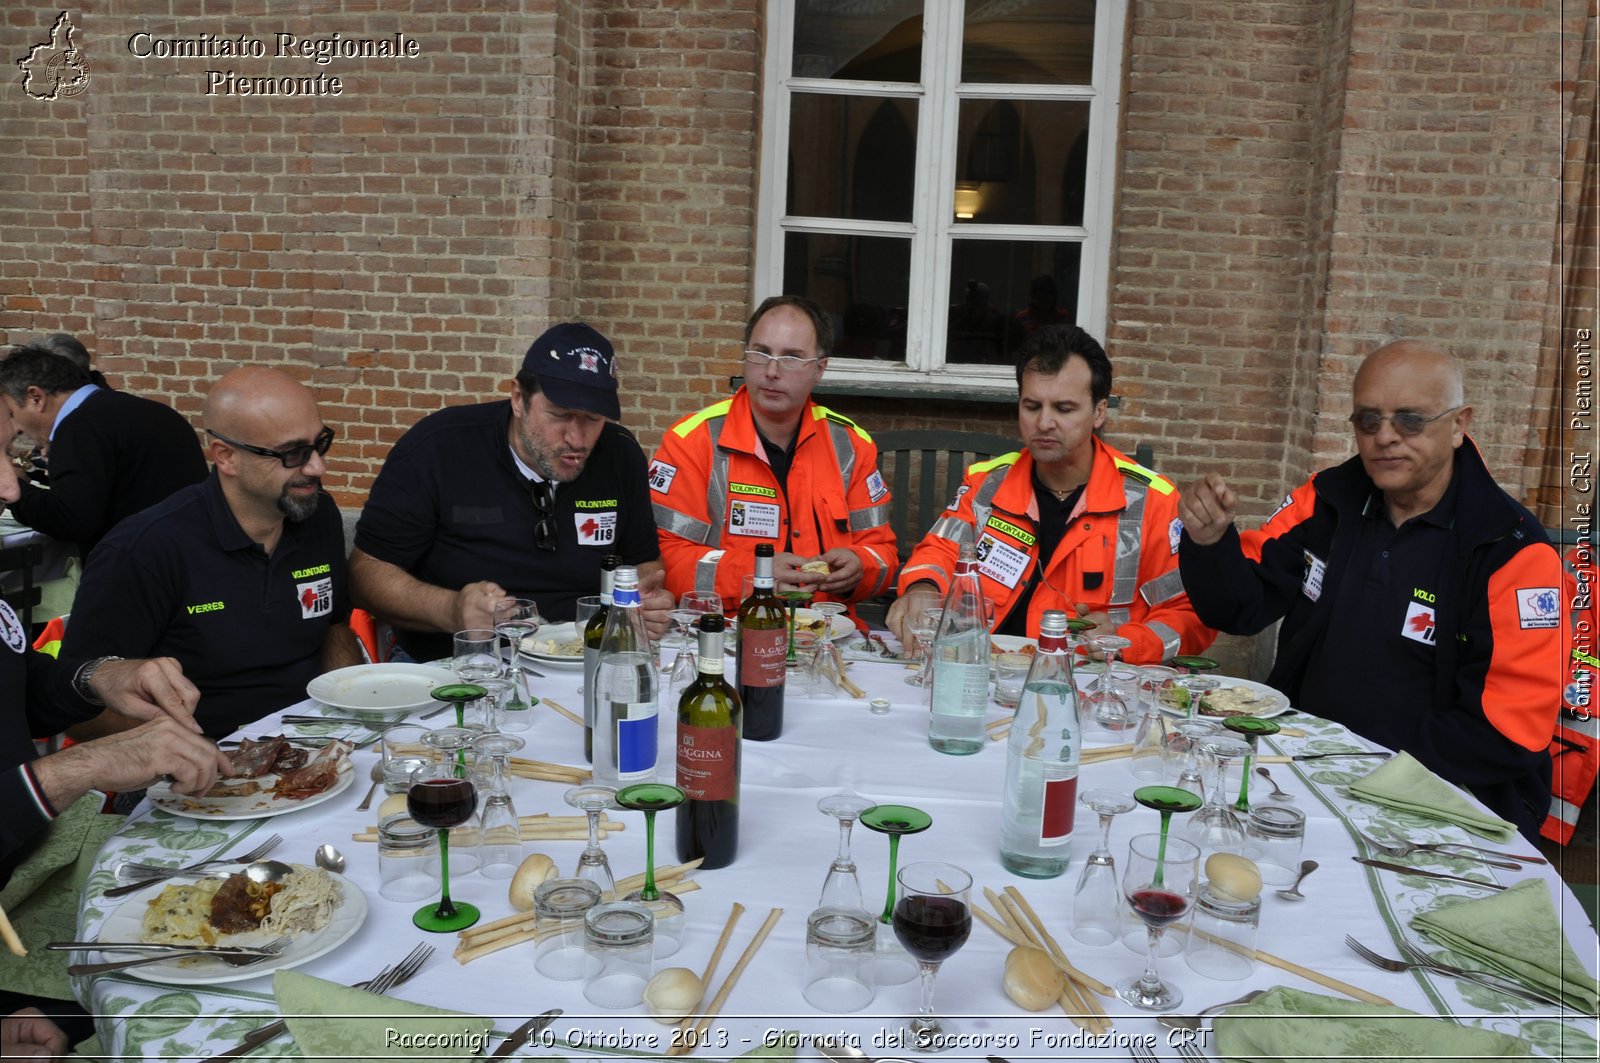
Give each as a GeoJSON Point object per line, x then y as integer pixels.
{"type": "Point", "coordinates": [518, 498]}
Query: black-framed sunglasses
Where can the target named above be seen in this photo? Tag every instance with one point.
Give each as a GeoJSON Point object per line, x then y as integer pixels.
{"type": "Point", "coordinates": [292, 457]}
{"type": "Point", "coordinates": [1406, 422]}
{"type": "Point", "coordinates": [544, 500]}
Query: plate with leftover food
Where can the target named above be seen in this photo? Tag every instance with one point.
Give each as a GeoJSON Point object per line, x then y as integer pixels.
{"type": "Point", "coordinates": [1236, 697]}
{"type": "Point", "coordinates": [317, 911]}
{"type": "Point", "coordinates": [558, 645]}
{"type": "Point", "coordinates": [380, 688]}
{"type": "Point", "coordinates": [270, 777]}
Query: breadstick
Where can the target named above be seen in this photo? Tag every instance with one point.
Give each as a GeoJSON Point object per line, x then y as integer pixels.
{"type": "Point", "coordinates": [688, 1043]}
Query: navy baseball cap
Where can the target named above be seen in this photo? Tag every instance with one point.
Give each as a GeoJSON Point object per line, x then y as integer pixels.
{"type": "Point", "coordinates": [576, 368]}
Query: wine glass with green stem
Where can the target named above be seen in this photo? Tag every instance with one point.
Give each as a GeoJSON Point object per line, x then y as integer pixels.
{"type": "Point", "coordinates": [1253, 729]}
{"type": "Point", "coordinates": [459, 695]}
{"type": "Point", "coordinates": [664, 907]}
{"type": "Point", "coordinates": [796, 598]}
{"type": "Point", "coordinates": [894, 965]}
{"type": "Point", "coordinates": [1165, 800]}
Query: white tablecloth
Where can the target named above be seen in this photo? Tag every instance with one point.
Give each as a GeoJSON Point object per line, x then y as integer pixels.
{"type": "Point", "coordinates": [785, 848]}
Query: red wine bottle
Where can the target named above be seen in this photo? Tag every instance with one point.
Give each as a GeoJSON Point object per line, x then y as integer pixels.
{"type": "Point", "coordinates": [763, 644]}
{"type": "Point", "coordinates": [709, 721]}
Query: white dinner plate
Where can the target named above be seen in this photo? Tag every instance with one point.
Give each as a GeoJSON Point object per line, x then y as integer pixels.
{"type": "Point", "coordinates": [127, 924]}
{"type": "Point", "coordinates": [1267, 701]}
{"type": "Point", "coordinates": [247, 806]}
{"type": "Point", "coordinates": [1011, 644]}
{"type": "Point", "coordinates": [394, 689]}
{"type": "Point", "coordinates": [549, 636]}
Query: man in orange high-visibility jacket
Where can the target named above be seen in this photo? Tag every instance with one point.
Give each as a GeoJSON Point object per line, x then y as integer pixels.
{"type": "Point", "coordinates": [1069, 523]}
{"type": "Point", "coordinates": [771, 466]}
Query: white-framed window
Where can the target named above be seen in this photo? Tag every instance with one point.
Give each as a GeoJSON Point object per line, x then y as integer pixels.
{"type": "Point", "coordinates": [937, 174]}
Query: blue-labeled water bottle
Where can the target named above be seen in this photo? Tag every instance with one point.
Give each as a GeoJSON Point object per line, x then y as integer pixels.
{"type": "Point", "coordinates": [627, 691]}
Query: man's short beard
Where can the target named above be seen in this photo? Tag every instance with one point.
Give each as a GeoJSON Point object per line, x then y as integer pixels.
{"type": "Point", "coordinates": [296, 507]}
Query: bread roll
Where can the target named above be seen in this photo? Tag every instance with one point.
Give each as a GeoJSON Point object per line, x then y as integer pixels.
{"type": "Point", "coordinates": [1033, 980]}
{"type": "Point", "coordinates": [1236, 876]}
{"type": "Point", "coordinates": [393, 805]}
{"type": "Point", "coordinates": [819, 566]}
{"type": "Point", "coordinates": [536, 869]}
{"type": "Point", "coordinates": [672, 994]}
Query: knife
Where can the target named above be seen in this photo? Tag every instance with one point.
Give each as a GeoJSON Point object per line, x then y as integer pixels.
{"type": "Point", "coordinates": [150, 946]}
{"type": "Point", "coordinates": [371, 725]}
{"type": "Point", "coordinates": [1385, 865]}
{"type": "Point", "coordinates": [1322, 756]}
{"type": "Point", "coordinates": [525, 1033]}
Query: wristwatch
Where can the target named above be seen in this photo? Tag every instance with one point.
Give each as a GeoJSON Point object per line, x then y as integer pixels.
{"type": "Point", "coordinates": [85, 676]}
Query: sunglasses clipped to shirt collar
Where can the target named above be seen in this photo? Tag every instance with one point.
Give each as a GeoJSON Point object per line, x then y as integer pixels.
{"type": "Point", "coordinates": [292, 457]}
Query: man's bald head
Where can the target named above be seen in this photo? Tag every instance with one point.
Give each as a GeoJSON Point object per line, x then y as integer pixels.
{"type": "Point", "coordinates": [254, 402]}
{"type": "Point", "coordinates": [1420, 361]}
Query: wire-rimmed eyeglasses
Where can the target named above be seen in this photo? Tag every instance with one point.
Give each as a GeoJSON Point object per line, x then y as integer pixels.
{"type": "Point", "coordinates": [294, 457]}
{"type": "Point", "coordinates": [785, 362]}
{"type": "Point", "coordinates": [1406, 422]}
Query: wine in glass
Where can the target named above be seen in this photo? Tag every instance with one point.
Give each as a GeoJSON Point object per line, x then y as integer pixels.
{"type": "Point", "coordinates": [893, 964]}
{"type": "Point", "coordinates": [932, 921]}
{"type": "Point", "coordinates": [1253, 730]}
{"type": "Point", "coordinates": [1157, 883]}
{"type": "Point", "coordinates": [842, 887]}
{"type": "Point", "coordinates": [594, 800]}
{"type": "Point", "coordinates": [665, 907]}
{"type": "Point", "coordinates": [514, 620]}
{"type": "Point", "coordinates": [1097, 902]}
{"type": "Point", "coordinates": [439, 799]}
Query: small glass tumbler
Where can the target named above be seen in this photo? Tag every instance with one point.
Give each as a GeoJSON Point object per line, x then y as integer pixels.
{"type": "Point", "coordinates": [799, 676]}
{"type": "Point", "coordinates": [403, 752]}
{"type": "Point", "coordinates": [559, 907]}
{"type": "Point", "coordinates": [587, 606]}
{"type": "Point", "coordinates": [840, 966]}
{"type": "Point", "coordinates": [617, 936]}
{"type": "Point", "coordinates": [1010, 672]}
{"type": "Point", "coordinates": [1274, 837]}
{"type": "Point", "coordinates": [1222, 939]}
{"type": "Point", "coordinates": [408, 859]}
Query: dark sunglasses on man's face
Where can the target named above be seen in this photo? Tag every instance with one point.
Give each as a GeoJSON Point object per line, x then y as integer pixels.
{"type": "Point", "coordinates": [544, 500]}
{"type": "Point", "coordinates": [1406, 422]}
{"type": "Point", "coordinates": [292, 457]}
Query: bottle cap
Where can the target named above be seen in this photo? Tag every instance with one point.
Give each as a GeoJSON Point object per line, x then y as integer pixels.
{"type": "Point", "coordinates": [1054, 622]}
{"type": "Point", "coordinates": [879, 706]}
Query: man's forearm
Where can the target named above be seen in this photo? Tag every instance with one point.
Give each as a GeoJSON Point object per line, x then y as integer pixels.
{"type": "Point", "coordinates": [341, 648]}
{"type": "Point", "coordinates": [391, 592]}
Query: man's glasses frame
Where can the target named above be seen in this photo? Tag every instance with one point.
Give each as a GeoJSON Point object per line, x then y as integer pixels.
{"type": "Point", "coordinates": [788, 363]}
{"type": "Point", "coordinates": [294, 457]}
{"type": "Point", "coordinates": [1405, 422]}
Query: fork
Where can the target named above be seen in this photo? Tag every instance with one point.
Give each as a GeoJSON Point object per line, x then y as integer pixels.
{"type": "Point", "coordinates": [1429, 964]}
{"type": "Point", "coordinates": [380, 983]}
{"type": "Point", "coordinates": [1191, 1051]}
{"type": "Point", "coordinates": [159, 874]}
{"type": "Point", "coordinates": [1142, 1052]}
{"type": "Point", "coordinates": [1448, 848]}
{"type": "Point", "coordinates": [233, 959]}
{"type": "Point", "coordinates": [1484, 978]}
{"type": "Point", "coordinates": [1401, 850]}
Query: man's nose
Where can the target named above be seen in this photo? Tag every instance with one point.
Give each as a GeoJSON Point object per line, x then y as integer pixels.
{"type": "Point", "coordinates": [315, 467]}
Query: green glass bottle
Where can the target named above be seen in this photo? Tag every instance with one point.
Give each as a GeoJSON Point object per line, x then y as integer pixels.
{"type": "Point", "coordinates": [709, 722]}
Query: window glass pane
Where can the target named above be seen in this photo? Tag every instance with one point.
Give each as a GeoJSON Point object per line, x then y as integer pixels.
{"type": "Point", "coordinates": [861, 281]}
{"type": "Point", "coordinates": [1036, 42]}
{"type": "Point", "coordinates": [880, 41]}
{"type": "Point", "coordinates": [1021, 162]}
{"type": "Point", "coordinates": [851, 156]}
{"type": "Point", "coordinates": [1001, 290]}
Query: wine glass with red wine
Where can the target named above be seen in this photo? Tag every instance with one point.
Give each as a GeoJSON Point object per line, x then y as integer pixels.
{"type": "Point", "coordinates": [1158, 883]}
{"type": "Point", "coordinates": [439, 799]}
{"type": "Point", "coordinates": [932, 920]}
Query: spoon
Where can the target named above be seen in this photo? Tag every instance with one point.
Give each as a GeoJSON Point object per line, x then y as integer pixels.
{"type": "Point", "coordinates": [841, 1051]}
{"type": "Point", "coordinates": [330, 859]}
{"type": "Point", "coordinates": [1292, 892]}
{"type": "Point", "coordinates": [265, 871]}
{"type": "Point", "coordinates": [377, 777]}
{"type": "Point", "coordinates": [1277, 792]}
{"type": "Point", "coordinates": [1192, 1022]}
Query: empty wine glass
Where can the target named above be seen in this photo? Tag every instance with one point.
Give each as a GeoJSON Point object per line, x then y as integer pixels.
{"type": "Point", "coordinates": [664, 907]}
{"type": "Point", "coordinates": [1183, 747]}
{"type": "Point", "coordinates": [476, 655]}
{"type": "Point", "coordinates": [1097, 902]}
{"type": "Point", "coordinates": [1110, 695]}
{"type": "Point", "coordinates": [923, 633]}
{"type": "Point", "coordinates": [500, 836]}
{"type": "Point", "coordinates": [440, 799]}
{"type": "Point", "coordinates": [932, 921]}
{"type": "Point", "coordinates": [1157, 883]}
{"type": "Point", "coordinates": [594, 800]}
{"type": "Point", "coordinates": [1150, 739]}
{"type": "Point", "coordinates": [842, 887]}
{"type": "Point", "coordinates": [1216, 827]}
{"type": "Point", "coordinates": [1195, 687]}
{"type": "Point", "coordinates": [514, 620]}
{"type": "Point", "coordinates": [1252, 729]}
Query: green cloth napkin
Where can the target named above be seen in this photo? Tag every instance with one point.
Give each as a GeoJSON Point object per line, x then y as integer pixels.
{"type": "Point", "coordinates": [1516, 933]}
{"type": "Point", "coordinates": [1286, 1023]}
{"type": "Point", "coordinates": [332, 1021]}
{"type": "Point", "coordinates": [1402, 782]}
{"type": "Point", "coordinates": [42, 897]}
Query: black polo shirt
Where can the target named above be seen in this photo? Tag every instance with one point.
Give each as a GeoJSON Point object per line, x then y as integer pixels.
{"type": "Point", "coordinates": [451, 507]}
{"type": "Point", "coordinates": [1382, 622]}
{"type": "Point", "coordinates": [183, 580]}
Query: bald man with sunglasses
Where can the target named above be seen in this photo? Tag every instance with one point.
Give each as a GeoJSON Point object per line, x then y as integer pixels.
{"type": "Point", "coordinates": [241, 578]}
{"type": "Point", "coordinates": [1421, 604]}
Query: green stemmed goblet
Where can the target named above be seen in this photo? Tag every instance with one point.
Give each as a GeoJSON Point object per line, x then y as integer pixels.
{"type": "Point", "coordinates": [664, 907]}
{"type": "Point", "coordinates": [894, 964]}
{"type": "Point", "coordinates": [1165, 800]}
{"type": "Point", "coordinates": [1252, 729]}
{"type": "Point", "coordinates": [795, 598]}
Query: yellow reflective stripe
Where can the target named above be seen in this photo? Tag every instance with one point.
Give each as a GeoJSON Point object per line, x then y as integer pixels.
{"type": "Point", "coordinates": [1147, 476]}
{"type": "Point", "coordinates": [818, 412]}
{"type": "Point", "coordinates": [695, 420]}
{"type": "Point", "coordinates": [52, 649]}
{"type": "Point", "coordinates": [994, 463]}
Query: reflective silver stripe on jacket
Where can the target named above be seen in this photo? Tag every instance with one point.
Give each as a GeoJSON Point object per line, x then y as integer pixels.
{"type": "Point", "coordinates": [953, 528]}
{"type": "Point", "coordinates": [681, 524]}
{"type": "Point", "coordinates": [870, 517]}
{"type": "Point", "coordinates": [1118, 617]}
{"type": "Point", "coordinates": [846, 455]}
{"type": "Point", "coordinates": [1169, 639]}
{"type": "Point", "coordinates": [1130, 525]}
{"type": "Point", "coordinates": [705, 572]}
{"type": "Point", "coordinates": [914, 571]}
{"type": "Point", "coordinates": [983, 498]}
{"type": "Point", "coordinates": [883, 571]}
{"type": "Point", "coordinates": [1162, 588]}
{"type": "Point", "coordinates": [717, 484]}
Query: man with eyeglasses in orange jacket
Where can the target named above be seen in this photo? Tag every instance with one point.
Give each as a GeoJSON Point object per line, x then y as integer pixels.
{"type": "Point", "coordinates": [1421, 604]}
{"type": "Point", "coordinates": [769, 465]}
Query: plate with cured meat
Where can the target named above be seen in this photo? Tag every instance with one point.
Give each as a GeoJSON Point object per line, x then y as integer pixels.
{"type": "Point", "coordinates": [270, 777]}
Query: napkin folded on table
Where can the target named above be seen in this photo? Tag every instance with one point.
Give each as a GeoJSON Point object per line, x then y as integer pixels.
{"type": "Point", "coordinates": [332, 1021]}
{"type": "Point", "coordinates": [1286, 1023]}
{"type": "Point", "coordinates": [1516, 933]}
{"type": "Point", "coordinates": [1402, 782]}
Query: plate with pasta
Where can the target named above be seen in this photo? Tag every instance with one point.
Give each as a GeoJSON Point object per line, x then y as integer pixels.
{"type": "Point", "coordinates": [558, 645]}
{"type": "Point", "coordinates": [317, 911]}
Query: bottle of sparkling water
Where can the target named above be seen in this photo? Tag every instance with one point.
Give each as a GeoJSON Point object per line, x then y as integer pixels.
{"type": "Point", "coordinates": [960, 664]}
{"type": "Point", "coordinates": [1041, 791]}
{"type": "Point", "coordinates": [627, 689]}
